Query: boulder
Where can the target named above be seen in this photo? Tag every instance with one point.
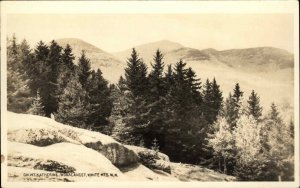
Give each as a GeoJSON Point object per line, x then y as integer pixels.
{"type": "Point", "coordinates": [42, 131]}
{"type": "Point", "coordinates": [70, 161]}
{"type": "Point", "coordinates": [152, 159]}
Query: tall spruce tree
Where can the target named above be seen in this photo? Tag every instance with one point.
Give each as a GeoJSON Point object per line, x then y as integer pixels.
{"type": "Point", "coordinates": [137, 84]}
{"type": "Point", "coordinates": [254, 107]}
{"type": "Point", "coordinates": [156, 100]}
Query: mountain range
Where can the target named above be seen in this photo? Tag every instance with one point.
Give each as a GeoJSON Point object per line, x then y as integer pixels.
{"type": "Point", "coordinates": [267, 70]}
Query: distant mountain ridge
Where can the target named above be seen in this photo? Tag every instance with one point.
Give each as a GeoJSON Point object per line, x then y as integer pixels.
{"type": "Point", "coordinates": [251, 59]}
{"type": "Point", "coordinates": [98, 57]}
{"type": "Point", "coordinates": [267, 70]}
{"type": "Point", "coordinates": [110, 66]}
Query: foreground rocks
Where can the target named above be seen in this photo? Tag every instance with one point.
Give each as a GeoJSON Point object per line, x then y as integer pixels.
{"type": "Point", "coordinates": [41, 149]}
{"type": "Point", "coordinates": [42, 131]}
{"type": "Point", "coordinates": [151, 159]}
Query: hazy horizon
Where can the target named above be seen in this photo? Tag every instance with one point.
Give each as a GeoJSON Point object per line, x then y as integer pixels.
{"type": "Point", "coordinates": [118, 32]}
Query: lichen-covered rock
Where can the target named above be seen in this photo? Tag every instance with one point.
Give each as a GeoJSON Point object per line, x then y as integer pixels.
{"type": "Point", "coordinates": [152, 159]}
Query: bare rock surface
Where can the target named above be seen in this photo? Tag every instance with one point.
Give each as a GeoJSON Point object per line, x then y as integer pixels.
{"type": "Point", "coordinates": [42, 131]}
{"type": "Point", "coordinates": [41, 149]}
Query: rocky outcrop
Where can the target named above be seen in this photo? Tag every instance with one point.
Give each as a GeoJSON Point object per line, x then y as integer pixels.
{"type": "Point", "coordinates": [151, 159]}
{"type": "Point", "coordinates": [42, 131]}
{"type": "Point", "coordinates": [41, 149]}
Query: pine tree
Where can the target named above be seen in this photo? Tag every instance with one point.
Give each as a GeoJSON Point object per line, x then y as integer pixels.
{"type": "Point", "coordinates": [254, 107]}
{"type": "Point", "coordinates": [36, 107]}
{"type": "Point", "coordinates": [72, 108]}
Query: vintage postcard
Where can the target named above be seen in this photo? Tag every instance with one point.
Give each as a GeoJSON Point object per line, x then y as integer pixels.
{"type": "Point", "coordinates": [149, 94]}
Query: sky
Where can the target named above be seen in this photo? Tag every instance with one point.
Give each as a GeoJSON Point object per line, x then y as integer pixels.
{"type": "Point", "coordinates": [117, 32]}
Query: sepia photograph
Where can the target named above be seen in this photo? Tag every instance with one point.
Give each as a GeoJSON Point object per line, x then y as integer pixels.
{"type": "Point", "coordinates": [150, 93]}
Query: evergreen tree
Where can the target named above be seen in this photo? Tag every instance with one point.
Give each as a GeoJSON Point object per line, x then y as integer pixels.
{"type": "Point", "coordinates": [99, 102]}
{"type": "Point", "coordinates": [156, 100]}
{"type": "Point", "coordinates": [121, 131]}
{"type": "Point", "coordinates": [212, 101]}
{"type": "Point", "coordinates": [183, 114]}
{"type": "Point", "coordinates": [233, 105]}
{"type": "Point", "coordinates": [66, 69]}
{"type": "Point", "coordinates": [72, 108]}
{"type": "Point", "coordinates": [254, 107]}
{"type": "Point", "coordinates": [19, 95]}
{"type": "Point", "coordinates": [194, 85]}
{"type": "Point", "coordinates": [137, 85]}
{"type": "Point", "coordinates": [40, 77]}
{"type": "Point", "coordinates": [84, 66]}
{"type": "Point", "coordinates": [136, 75]}
{"type": "Point", "coordinates": [237, 94]}
{"type": "Point", "coordinates": [36, 107]}
{"type": "Point", "coordinates": [53, 64]}
{"type": "Point", "coordinates": [68, 58]}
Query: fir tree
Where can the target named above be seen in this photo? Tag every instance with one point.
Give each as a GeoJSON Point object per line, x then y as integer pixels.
{"type": "Point", "coordinates": [254, 107]}
{"type": "Point", "coordinates": [36, 107]}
